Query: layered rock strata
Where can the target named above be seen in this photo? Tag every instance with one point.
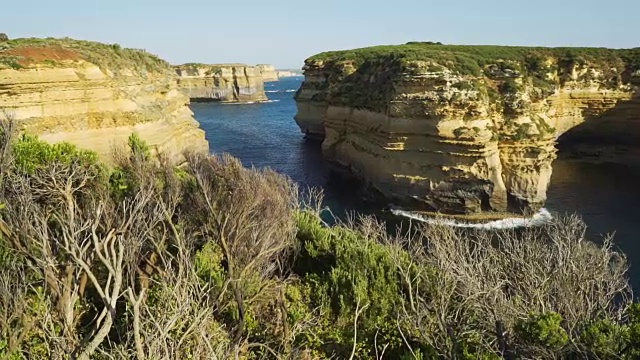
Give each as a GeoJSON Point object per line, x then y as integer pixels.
{"type": "Point", "coordinates": [463, 129]}
{"type": "Point", "coordinates": [221, 82]}
{"type": "Point", "coordinates": [268, 72]}
{"type": "Point", "coordinates": [95, 96]}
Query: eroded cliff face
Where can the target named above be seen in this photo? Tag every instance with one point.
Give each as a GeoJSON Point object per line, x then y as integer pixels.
{"type": "Point", "coordinates": [95, 96]}
{"type": "Point", "coordinates": [268, 72]}
{"type": "Point", "coordinates": [221, 82]}
{"type": "Point", "coordinates": [462, 129]}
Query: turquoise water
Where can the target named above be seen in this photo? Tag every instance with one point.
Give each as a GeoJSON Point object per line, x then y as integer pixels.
{"type": "Point", "coordinates": [605, 195]}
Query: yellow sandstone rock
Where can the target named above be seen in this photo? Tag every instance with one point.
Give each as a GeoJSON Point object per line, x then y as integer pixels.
{"type": "Point", "coordinates": [462, 129]}
{"type": "Point", "coordinates": [221, 82]}
{"type": "Point", "coordinates": [95, 95]}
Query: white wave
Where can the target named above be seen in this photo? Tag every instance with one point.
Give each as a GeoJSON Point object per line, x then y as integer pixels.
{"type": "Point", "coordinates": [281, 91]}
{"type": "Point", "coordinates": [541, 217]}
{"type": "Point", "coordinates": [249, 102]}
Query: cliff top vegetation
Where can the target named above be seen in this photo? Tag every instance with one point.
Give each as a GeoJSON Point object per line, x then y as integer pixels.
{"type": "Point", "coordinates": [196, 65]}
{"type": "Point", "coordinates": [470, 59]}
{"type": "Point", "coordinates": [29, 52]}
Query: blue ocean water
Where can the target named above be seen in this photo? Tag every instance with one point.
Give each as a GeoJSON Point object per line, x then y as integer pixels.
{"type": "Point", "coordinates": [265, 134]}
{"type": "Point", "coordinates": [607, 196]}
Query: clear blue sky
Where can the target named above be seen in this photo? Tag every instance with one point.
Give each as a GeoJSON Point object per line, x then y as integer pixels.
{"type": "Point", "coordinates": [285, 32]}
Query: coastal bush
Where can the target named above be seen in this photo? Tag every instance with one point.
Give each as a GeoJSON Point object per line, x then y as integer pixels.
{"type": "Point", "coordinates": [145, 259]}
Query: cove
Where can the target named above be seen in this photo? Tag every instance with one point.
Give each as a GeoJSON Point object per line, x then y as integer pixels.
{"type": "Point", "coordinates": [262, 135]}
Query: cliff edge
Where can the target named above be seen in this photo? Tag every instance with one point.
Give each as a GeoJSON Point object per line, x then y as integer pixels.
{"type": "Point", "coordinates": [221, 82]}
{"type": "Point", "coordinates": [464, 129]}
{"type": "Point", "coordinates": [95, 95]}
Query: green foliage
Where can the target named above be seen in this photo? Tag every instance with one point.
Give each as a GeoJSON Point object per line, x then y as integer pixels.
{"type": "Point", "coordinates": [633, 331]}
{"type": "Point", "coordinates": [481, 55]}
{"type": "Point", "coordinates": [345, 270]}
{"type": "Point", "coordinates": [363, 78]}
{"type": "Point", "coordinates": [543, 330]}
{"type": "Point", "coordinates": [107, 56]}
{"type": "Point", "coordinates": [32, 154]}
{"type": "Point", "coordinates": [138, 147]}
{"type": "Point", "coordinates": [122, 180]}
{"type": "Point", "coordinates": [208, 262]}
{"type": "Point", "coordinates": [604, 338]}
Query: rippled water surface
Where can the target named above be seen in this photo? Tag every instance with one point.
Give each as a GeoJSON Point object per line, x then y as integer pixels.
{"type": "Point", "coordinates": [606, 195]}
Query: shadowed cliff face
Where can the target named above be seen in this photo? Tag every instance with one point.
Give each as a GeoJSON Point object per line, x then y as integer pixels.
{"type": "Point", "coordinates": [95, 95]}
{"type": "Point", "coordinates": [224, 82]}
{"type": "Point", "coordinates": [459, 129]}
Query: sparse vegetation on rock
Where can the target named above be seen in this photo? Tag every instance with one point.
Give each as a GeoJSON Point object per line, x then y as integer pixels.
{"type": "Point", "coordinates": [25, 52]}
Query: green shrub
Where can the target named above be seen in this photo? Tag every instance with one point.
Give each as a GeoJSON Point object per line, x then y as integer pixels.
{"type": "Point", "coordinates": [543, 330]}
{"type": "Point", "coordinates": [32, 154]}
{"type": "Point", "coordinates": [604, 338]}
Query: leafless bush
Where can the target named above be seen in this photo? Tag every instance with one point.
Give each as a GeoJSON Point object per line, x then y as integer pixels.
{"type": "Point", "coordinates": [249, 214]}
{"type": "Point", "coordinates": [477, 285]}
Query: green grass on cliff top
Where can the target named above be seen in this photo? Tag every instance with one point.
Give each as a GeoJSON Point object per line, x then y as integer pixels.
{"type": "Point", "coordinates": [27, 52]}
{"type": "Point", "coordinates": [470, 59]}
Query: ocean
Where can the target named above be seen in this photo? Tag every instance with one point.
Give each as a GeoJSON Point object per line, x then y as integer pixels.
{"type": "Point", "coordinates": [607, 196]}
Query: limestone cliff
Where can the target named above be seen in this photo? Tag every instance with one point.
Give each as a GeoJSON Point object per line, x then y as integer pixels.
{"type": "Point", "coordinates": [268, 72]}
{"type": "Point", "coordinates": [288, 73]}
{"type": "Point", "coordinates": [463, 129]}
{"type": "Point", "coordinates": [221, 82]}
{"type": "Point", "coordinates": [95, 95]}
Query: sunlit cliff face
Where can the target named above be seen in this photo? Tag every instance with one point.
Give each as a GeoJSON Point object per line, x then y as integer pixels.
{"type": "Point", "coordinates": [455, 133]}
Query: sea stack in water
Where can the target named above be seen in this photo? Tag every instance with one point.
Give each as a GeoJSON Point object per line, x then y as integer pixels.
{"type": "Point", "coordinates": [221, 82]}
{"type": "Point", "coordinates": [95, 96]}
{"type": "Point", "coordinates": [465, 129]}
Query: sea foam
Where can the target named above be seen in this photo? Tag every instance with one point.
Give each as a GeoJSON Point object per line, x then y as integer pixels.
{"type": "Point", "coordinates": [541, 217]}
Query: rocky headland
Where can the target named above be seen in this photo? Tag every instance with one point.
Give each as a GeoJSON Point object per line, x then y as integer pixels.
{"type": "Point", "coordinates": [268, 72]}
{"type": "Point", "coordinates": [221, 82]}
{"type": "Point", "coordinates": [95, 96]}
{"type": "Point", "coordinates": [468, 129]}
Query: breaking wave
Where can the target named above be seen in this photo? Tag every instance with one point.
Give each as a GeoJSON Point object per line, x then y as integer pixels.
{"type": "Point", "coordinates": [541, 217]}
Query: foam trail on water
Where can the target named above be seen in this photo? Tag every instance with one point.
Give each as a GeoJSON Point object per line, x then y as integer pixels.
{"type": "Point", "coordinates": [249, 102]}
{"type": "Point", "coordinates": [541, 217]}
{"type": "Point", "coordinates": [281, 91]}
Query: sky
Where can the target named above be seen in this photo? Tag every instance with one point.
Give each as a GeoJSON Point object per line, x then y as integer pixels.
{"type": "Point", "coordinates": [285, 32]}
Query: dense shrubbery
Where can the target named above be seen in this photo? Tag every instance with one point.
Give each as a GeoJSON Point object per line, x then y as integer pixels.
{"type": "Point", "coordinates": [472, 58]}
{"type": "Point", "coordinates": [212, 260]}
